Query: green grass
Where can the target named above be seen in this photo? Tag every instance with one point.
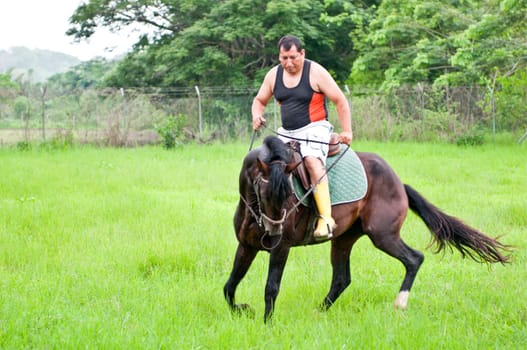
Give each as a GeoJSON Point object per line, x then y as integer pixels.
{"type": "Point", "coordinates": [130, 248]}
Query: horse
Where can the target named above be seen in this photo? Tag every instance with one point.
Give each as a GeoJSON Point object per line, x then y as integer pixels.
{"type": "Point", "coordinates": [269, 218]}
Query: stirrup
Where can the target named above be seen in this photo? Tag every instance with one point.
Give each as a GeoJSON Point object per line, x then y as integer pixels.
{"type": "Point", "coordinates": [331, 225]}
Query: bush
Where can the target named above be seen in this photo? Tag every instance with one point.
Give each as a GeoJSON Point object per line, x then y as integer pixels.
{"type": "Point", "coordinates": [63, 139]}
{"type": "Point", "coordinates": [475, 137]}
{"type": "Point", "coordinates": [171, 131]}
{"type": "Point", "coordinates": [23, 146]}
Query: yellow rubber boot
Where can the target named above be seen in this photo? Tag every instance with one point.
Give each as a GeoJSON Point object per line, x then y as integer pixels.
{"type": "Point", "coordinates": [325, 224]}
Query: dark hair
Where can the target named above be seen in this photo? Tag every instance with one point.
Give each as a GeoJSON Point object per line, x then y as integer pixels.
{"type": "Point", "coordinates": [289, 41]}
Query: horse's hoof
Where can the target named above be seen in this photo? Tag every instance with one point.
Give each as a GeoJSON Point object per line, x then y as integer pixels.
{"type": "Point", "coordinates": [325, 305]}
{"type": "Point", "coordinates": [401, 302]}
{"type": "Point", "coordinates": [245, 310]}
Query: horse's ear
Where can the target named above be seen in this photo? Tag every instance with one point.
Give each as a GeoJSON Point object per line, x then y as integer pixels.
{"type": "Point", "coordinates": [263, 167]}
{"type": "Point", "coordinates": [292, 166]}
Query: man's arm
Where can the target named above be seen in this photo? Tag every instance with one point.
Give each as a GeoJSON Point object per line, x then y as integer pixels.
{"type": "Point", "coordinates": [327, 85]}
{"type": "Point", "coordinates": [262, 98]}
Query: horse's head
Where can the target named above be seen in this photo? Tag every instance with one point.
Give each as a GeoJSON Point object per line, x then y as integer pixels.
{"type": "Point", "coordinates": [272, 184]}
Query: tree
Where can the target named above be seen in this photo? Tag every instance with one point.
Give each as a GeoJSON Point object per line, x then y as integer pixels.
{"type": "Point", "coordinates": [452, 42]}
{"type": "Point", "coordinates": [6, 82]}
{"type": "Point", "coordinates": [82, 76]}
{"type": "Point", "coordinates": [227, 42]}
{"type": "Point", "coordinates": [165, 17]}
{"type": "Point", "coordinates": [160, 22]}
{"type": "Point", "coordinates": [8, 89]}
{"type": "Point", "coordinates": [409, 41]}
{"type": "Point", "coordinates": [494, 46]}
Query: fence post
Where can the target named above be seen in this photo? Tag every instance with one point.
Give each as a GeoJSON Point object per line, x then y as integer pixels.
{"type": "Point", "coordinates": [522, 138]}
{"type": "Point", "coordinates": [421, 90]}
{"type": "Point", "coordinates": [123, 109]}
{"type": "Point", "coordinates": [493, 103]}
{"type": "Point", "coordinates": [199, 113]}
{"type": "Point", "coordinates": [42, 98]}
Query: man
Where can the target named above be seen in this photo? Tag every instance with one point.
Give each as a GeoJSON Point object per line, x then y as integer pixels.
{"type": "Point", "coordinates": [301, 86]}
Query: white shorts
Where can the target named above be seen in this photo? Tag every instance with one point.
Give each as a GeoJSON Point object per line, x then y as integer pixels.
{"type": "Point", "coordinates": [313, 139]}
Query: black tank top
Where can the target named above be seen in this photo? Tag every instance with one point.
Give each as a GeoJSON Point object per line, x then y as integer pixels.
{"type": "Point", "coordinates": [300, 105]}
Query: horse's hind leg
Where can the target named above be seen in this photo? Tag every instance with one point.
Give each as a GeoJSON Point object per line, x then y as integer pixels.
{"type": "Point", "coordinates": [393, 245]}
{"type": "Point", "coordinates": [340, 262]}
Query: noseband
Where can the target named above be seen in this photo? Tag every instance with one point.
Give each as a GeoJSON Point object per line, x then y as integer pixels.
{"type": "Point", "coordinates": [268, 222]}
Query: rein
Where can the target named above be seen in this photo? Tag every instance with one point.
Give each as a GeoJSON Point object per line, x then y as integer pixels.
{"type": "Point", "coordinates": [288, 137]}
{"type": "Point", "coordinates": [312, 188]}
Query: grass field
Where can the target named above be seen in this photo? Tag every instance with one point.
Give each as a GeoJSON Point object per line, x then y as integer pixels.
{"type": "Point", "coordinates": [130, 248]}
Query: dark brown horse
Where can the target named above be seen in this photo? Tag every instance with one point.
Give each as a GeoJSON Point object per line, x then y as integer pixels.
{"type": "Point", "coordinates": [269, 218]}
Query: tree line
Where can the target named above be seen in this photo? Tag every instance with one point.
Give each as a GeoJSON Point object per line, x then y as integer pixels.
{"type": "Point", "coordinates": [380, 43]}
{"type": "Point", "coordinates": [373, 47]}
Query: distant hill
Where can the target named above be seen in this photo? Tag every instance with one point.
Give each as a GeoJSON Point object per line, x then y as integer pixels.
{"type": "Point", "coordinates": [44, 63]}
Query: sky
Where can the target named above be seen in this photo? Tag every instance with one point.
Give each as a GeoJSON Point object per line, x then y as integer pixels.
{"type": "Point", "coordinates": [42, 24]}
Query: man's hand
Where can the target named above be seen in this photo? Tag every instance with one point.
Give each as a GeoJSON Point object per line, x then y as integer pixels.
{"type": "Point", "coordinates": [346, 137]}
{"type": "Point", "coordinates": [258, 121]}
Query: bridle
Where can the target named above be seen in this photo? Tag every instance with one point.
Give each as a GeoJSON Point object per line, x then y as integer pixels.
{"type": "Point", "coordinates": [264, 221]}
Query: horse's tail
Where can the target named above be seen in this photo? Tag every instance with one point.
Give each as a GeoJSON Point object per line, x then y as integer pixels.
{"type": "Point", "coordinates": [449, 231]}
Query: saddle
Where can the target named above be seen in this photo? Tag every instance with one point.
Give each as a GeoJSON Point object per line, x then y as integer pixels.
{"type": "Point", "coordinates": [301, 172]}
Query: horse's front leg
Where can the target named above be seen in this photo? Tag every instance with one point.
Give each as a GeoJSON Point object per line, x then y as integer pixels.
{"type": "Point", "coordinates": [277, 262]}
{"type": "Point", "coordinates": [242, 261]}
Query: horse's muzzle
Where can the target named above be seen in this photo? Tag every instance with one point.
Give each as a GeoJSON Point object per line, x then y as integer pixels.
{"type": "Point", "coordinates": [274, 227]}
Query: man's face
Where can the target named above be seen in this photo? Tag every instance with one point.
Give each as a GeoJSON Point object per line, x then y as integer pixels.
{"type": "Point", "coordinates": [292, 59]}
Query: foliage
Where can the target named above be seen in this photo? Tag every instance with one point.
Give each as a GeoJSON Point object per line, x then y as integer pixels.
{"type": "Point", "coordinates": [8, 90]}
{"type": "Point", "coordinates": [511, 102]}
{"type": "Point", "coordinates": [23, 145]}
{"type": "Point", "coordinates": [381, 117]}
{"type": "Point", "coordinates": [229, 42]}
{"type": "Point", "coordinates": [408, 42]}
{"type": "Point", "coordinates": [383, 45]}
{"type": "Point", "coordinates": [228, 116]}
{"type": "Point", "coordinates": [473, 138]}
{"type": "Point", "coordinates": [171, 130]}
{"type": "Point", "coordinates": [82, 76]}
{"type": "Point", "coordinates": [23, 110]}
{"type": "Point", "coordinates": [129, 116]}
{"type": "Point", "coordinates": [6, 82]}
{"type": "Point", "coordinates": [133, 71]}
{"type": "Point", "coordinates": [493, 45]}
{"type": "Point", "coordinates": [63, 139]}
{"type": "Point", "coordinates": [453, 42]}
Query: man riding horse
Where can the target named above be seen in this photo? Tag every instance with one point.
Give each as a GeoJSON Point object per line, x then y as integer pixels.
{"type": "Point", "coordinates": [301, 86]}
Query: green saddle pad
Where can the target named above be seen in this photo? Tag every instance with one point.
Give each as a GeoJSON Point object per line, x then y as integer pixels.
{"type": "Point", "coordinates": [347, 179]}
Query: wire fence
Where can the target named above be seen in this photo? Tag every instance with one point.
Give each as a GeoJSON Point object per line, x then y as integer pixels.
{"type": "Point", "coordinates": [127, 117]}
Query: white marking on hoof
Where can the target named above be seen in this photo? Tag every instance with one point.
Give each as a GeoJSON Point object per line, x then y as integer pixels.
{"type": "Point", "coordinates": [401, 302]}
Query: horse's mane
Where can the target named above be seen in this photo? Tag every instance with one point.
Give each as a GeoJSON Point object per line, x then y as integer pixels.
{"type": "Point", "coordinates": [277, 157]}
{"type": "Point", "coordinates": [277, 150]}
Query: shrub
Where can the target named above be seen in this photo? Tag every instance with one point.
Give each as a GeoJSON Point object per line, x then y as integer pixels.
{"type": "Point", "coordinates": [171, 131]}
{"type": "Point", "coordinates": [475, 137]}
{"type": "Point", "coordinates": [63, 139]}
{"type": "Point", "coordinates": [23, 146]}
